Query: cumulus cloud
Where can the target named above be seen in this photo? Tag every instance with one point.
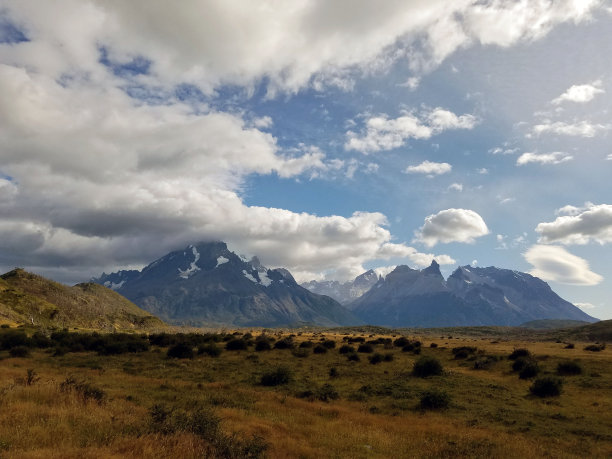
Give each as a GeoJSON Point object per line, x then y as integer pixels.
{"type": "Point", "coordinates": [429, 168]}
{"type": "Point", "coordinates": [577, 129]}
{"type": "Point", "coordinates": [452, 225]}
{"type": "Point", "coordinates": [554, 263]}
{"type": "Point", "coordinates": [456, 187]}
{"type": "Point", "coordinates": [543, 158]}
{"type": "Point", "coordinates": [382, 133]}
{"type": "Point", "coordinates": [580, 93]}
{"type": "Point", "coordinates": [225, 42]}
{"type": "Point", "coordinates": [593, 223]}
{"type": "Point", "coordinates": [111, 156]}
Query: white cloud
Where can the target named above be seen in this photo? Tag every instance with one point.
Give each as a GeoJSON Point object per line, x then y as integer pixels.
{"type": "Point", "coordinates": [482, 171]}
{"type": "Point", "coordinates": [578, 129]}
{"type": "Point", "coordinates": [581, 93]}
{"type": "Point", "coordinates": [455, 187]}
{"type": "Point", "coordinates": [503, 151]}
{"type": "Point", "coordinates": [543, 158]}
{"type": "Point", "coordinates": [452, 225]}
{"type": "Point", "coordinates": [553, 263]}
{"type": "Point", "coordinates": [222, 42]}
{"type": "Point", "coordinates": [585, 305]}
{"type": "Point", "coordinates": [609, 157]}
{"type": "Point", "coordinates": [581, 226]}
{"type": "Point", "coordinates": [382, 133]}
{"type": "Point", "coordinates": [429, 168]}
{"type": "Point", "coordinates": [411, 83]}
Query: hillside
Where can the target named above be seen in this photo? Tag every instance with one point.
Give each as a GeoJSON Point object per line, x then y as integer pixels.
{"type": "Point", "coordinates": [27, 298]}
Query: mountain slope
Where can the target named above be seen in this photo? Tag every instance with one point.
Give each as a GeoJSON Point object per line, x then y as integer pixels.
{"type": "Point", "coordinates": [27, 298]}
{"type": "Point", "coordinates": [471, 296]}
{"type": "Point", "coordinates": [208, 284]}
{"type": "Point", "coordinates": [346, 292]}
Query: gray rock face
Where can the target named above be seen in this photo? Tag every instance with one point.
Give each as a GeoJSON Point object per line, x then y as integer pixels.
{"type": "Point", "coordinates": [471, 296]}
{"type": "Point", "coordinates": [206, 284]}
{"type": "Point", "coordinates": [345, 292]}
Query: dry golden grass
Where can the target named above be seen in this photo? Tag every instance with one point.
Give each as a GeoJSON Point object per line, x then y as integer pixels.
{"type": "Point", "coordinates": [377, 414]}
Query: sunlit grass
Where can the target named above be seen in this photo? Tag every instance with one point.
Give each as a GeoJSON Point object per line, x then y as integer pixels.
{"type": "Point", "coordinates": [490, 414]}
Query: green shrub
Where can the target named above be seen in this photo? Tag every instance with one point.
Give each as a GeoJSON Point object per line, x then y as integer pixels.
{"type": "Point", "coordinates": [529, 370]}
{"type": "Point", "coordinates": [353, 357]}
{"type": "Point", "coordinates": [484, 363]}
{"type": "Point", "coordinates": [84, 390]}
{"type": "Point", "coordinates": [427, 366]}
{"type": "Point", "coordinates": [327, 392]}
{"type": "Point", "coordinates": [263, 345]}
{"type": "Point", "coordinates": [365, 348]}
{"type": "Point", "coordinates": [547, 386]}
{"type": "Point", "coordinates": [236, 345]}
{"type": "Point", "coordinates": [302, 352]}
{"type": "Point", "coordinates": [306, 344]}
{"type": "Point", "coordinates": [276, 377]}
{"type": "Point", "coordinates": [463, 352]}
{"type": "Point", "coordinates": [180, 351]}
{"type": "Point", "coordinates": [434, 400]}
{"type": "Point", "coordinates": [329, 344]}
{"type": "Point", "coordinates": [319, 349]}
{"type": "Point", "coordinates": [595, 347]}
{"type": "Point", "coordinates": [376, 358]}
{"type": "Point", "coordinates": [516, 353]}
{"type": "Point", "coordinates": [401, 341]}
{"type": "Point", "coordinates": [433, 345]}
{"type": "Point", "coordinates": [333, 372]}
{"type": "Point", "coordinates": [569, 346]}
{"type": "Point", "coordinates": [346, 349]}
{"type": "Point", "coordinates": [569, 369]}
{"type": "Point", "coordinates": [520, 363]}
{"type": "Point", "coordinates": [388, 357]}
{"type": "Point", "coordinates": [211, 350]}
{"type": "Point", "coordinates": [285, 343]}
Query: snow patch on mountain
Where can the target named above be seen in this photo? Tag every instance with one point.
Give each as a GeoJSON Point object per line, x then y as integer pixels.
{"type": "Point", "coordinates": [113, 285]}
{"type": "Point", "coordinates": [221, 260]}
{"type": "Point", "coordinates": [193, 267]}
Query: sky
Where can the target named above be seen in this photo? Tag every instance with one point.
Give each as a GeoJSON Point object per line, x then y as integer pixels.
{"type": "Point", "coordinates": [327, 137]}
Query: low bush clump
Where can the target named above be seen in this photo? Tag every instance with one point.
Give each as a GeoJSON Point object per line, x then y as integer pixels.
{"type": "Point", "coordinates": [433, 345]}
{"type": "Point", "coordinates": [595, 347]}
{"type": "Point", "coordinates": [84, 390]}
{"type": "Point", "coordinates": [388, 357]}
{"type": "Point", "coordinates": [569, 346]}
{"type": "Point", "coordinates": [346, 349]}
{"type": "Point", "coordinates": [520, 363]}
{"type": "Point", "coordinates": [277, 377]}
{"type": "Point", "coordinates": [263, 345]}
{"type": "Point", "coordinates": [434, 400]}
{"type": "Point", "coordinates": [319, 349]}
{"type": "Point", "coordinates": [329, 344]}
{"type": "Point", "coordinates": [236, 345]}
{"type": "Point", "coordinates": [569, 369]}
{"type": "Point", "coordinates": [19, 351]}
{"type": "Point", "coordinates": [401, 341]}
{"type": "Point", "coordinates": [365, 348]}
{"type": "Point", "coordinates": [427, 366]}
{"type": "Point", "coordinates": [180, 351]}
{"type": "Point", "coordinates": [353, 357]}
{"type": "Point", "coordinates": [376, 358]}
{"type": "Point", "coordinates": [301, 352]}
{"type": "Point", "coordinates": [463, 352]}
{"type": "Point", "coordinates": [547, 386]}
{"type": "Point", "coordinates": [211, 350]}
{"type": "Point", "coordinates": [285, 343]}
{"type": "Point", "coordinates": [306, 344]}
{"type": "Point", "coordinates": [519, 353]}
{"type": "Point", "coordinates": [529, 370]}
{"type": "Point", "coordinates": [484, 363]}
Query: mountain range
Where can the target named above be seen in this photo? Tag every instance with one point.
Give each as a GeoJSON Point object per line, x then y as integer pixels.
{"type": "Point", "coordinates": [470, 296]}
{"type": "Point", "coordinates": [207, 284]}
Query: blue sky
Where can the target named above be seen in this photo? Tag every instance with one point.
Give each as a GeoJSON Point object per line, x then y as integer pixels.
{"type": "Point", "coordinates": [325, 137]}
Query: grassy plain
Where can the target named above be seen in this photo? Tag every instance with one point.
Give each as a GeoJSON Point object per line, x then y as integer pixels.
{"type": "Point", "coordinates": [82, 404]}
